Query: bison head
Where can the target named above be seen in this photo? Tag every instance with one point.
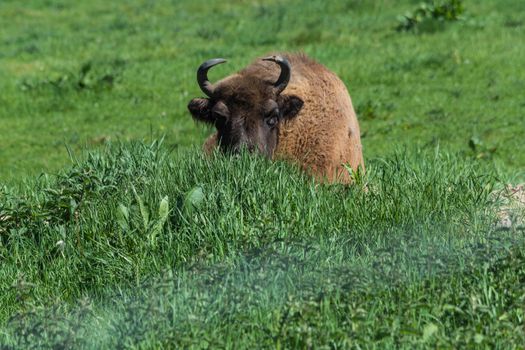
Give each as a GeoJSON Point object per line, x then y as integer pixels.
{"type": "Point", "coordinates": [246, 108]}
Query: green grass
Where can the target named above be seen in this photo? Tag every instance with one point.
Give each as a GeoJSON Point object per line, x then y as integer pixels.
{"type": "Point", "coordinates": [459, 82]}
{"type": "Point", "coordinates": [140, 243]}
{"type": "Point", "coordinates": [255, 254]}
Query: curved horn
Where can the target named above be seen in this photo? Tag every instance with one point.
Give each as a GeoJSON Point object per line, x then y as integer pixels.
{"type": "Point", "coordinates": [286, 71]}
{"type": "Point", "coordinates": [202, 75]}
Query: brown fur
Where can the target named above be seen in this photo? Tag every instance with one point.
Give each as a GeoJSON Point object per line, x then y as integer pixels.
{"type": "Point", "coordinates": [324, 135]}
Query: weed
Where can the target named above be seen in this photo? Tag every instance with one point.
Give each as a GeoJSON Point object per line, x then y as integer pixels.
{"type": "Point", "coordinates": [428, 14]}
{"type": "Point", "coordinates": [87, 78]}
{"type": "Point", "coordinates": [479, 150]}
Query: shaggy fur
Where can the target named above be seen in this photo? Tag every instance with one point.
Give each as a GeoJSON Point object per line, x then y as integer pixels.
{"type": "Point", "coordinates": [325, 133]}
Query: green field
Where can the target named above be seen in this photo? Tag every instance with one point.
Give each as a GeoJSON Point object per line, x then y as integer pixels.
{"type": "Point", "coordinates": [115, 232]}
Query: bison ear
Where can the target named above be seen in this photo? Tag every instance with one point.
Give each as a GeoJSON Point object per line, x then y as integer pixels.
{"type": "Point", "coordinates": [200, 110]}
{"type": "Point", "coordinates": [289, 105]}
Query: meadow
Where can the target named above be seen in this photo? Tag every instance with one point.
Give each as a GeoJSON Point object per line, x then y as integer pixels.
{"type": "Point", "coordinates": [115, 232]}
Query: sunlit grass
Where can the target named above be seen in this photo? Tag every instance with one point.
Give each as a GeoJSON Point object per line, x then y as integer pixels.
{"type": "Point", "coordinates": [258, 249]}
{"type": "Point", "coordinates": [443, 87]}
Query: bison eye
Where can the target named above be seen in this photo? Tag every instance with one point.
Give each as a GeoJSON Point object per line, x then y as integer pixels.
{"type": "Point", "coordinates": [272, 118]}
{"type": "Point", "coordinates": [272, 121]}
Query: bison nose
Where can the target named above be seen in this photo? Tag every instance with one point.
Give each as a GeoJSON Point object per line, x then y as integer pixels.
{"type": "Point", "coordinates": [235, 152]}
{"type": "Point", "coordinates": [232, 150]}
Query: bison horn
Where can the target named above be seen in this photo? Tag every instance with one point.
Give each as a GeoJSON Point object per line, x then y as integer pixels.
{"type": "Point", "coordinates": [286, 70]}
{"type": "Point", "coordinates": [202, 75]}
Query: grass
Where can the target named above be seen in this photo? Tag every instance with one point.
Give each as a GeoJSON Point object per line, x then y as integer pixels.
{"type": "Point", "coordinates": [140, 243]}
{"type": "Point", "coordinates": [255, 254]}
{"type": "Point", "coordinates": [447, 86]}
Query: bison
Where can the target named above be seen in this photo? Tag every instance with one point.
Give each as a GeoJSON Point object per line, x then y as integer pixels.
{"type": "Point", "coordinates": [284, 106]}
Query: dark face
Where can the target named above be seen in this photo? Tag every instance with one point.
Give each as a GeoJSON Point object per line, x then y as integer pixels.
{"type": "Point", "coordinates": [247, 117]}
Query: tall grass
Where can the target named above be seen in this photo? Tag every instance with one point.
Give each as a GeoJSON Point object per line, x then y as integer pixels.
{"type": "Point", "coordinates": [138, 246]}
